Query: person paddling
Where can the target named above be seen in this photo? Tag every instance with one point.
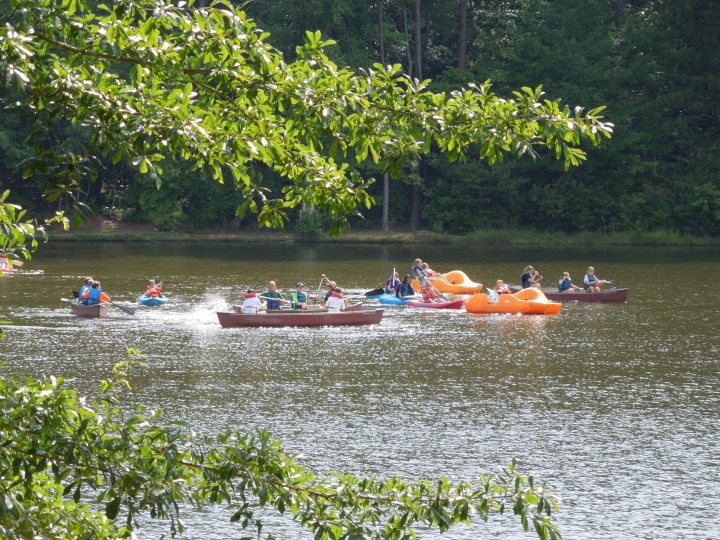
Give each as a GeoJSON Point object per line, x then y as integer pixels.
{"type": "Point", "coordinates": [530, 278]}
{"type": "Point", "coordinates": [331, 286]}
{"type": "Point", "coordinates": [392, 283]}
{"type": "Point", "coordinates": [94, 295]}
{"type": "Point", "coordinates": [153, 290]}
{"type": "Point", "coordinates": [272, 296]}
{"type": "Point", "coordinates": [335, 302]}
{"type": "Point", "coordinates": [591, 283]}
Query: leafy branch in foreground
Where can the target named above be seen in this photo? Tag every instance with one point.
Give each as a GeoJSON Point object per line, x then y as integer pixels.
{"type": "Point", "coordinates": [71, 468]}
{"type": "Point", "coordinates": [153, 79]}
{"type": "Point", "coordinates": [19, 236]}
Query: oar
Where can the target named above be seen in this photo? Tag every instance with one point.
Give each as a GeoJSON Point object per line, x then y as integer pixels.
{"type": "Point", "coordinates": [441, 295]}
{"type": "Point", "coordinates": [318, 291]}
{"type": "Point", "coordinates": [278, 299]}
{"type": "Point", "coordinates": [375, 292]}
{"type": "Point", "coordinates": [123, 308]}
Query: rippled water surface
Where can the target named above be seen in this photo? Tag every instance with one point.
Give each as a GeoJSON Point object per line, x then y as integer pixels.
{"type": "Point", "coordinates": [616, 406]}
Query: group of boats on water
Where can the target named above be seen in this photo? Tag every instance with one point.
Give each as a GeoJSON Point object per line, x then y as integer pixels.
{"type": "Point", "coordinates": [452, 290]}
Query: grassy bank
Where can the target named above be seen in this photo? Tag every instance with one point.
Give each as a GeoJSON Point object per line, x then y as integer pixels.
{"type": "Point", "coordinates": [120, 233]}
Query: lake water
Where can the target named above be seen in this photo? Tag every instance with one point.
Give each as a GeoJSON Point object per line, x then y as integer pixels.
{"type": "Point", "coordinates": [616, 406]}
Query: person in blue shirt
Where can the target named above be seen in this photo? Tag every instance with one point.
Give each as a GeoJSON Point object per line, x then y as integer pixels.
{"type": "Point", "coordinates": [530, 278]}
{"type": "Point", "coordinates": [565, 284]}
{"type": "Point", "coordinates": [85, 287]}
{"type": "Point", "coordinates": [405, 289]}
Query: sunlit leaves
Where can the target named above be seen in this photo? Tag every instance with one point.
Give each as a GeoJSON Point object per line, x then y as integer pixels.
{"type": "Point", "coordinates": [155, 78]}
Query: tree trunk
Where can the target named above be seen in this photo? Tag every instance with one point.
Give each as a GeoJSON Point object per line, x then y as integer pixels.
{"type": "Point", "coordinates": [407, 43]}
{"type": "Point", "coordinates": [462, 45]}
{"type": "Point", "coordinates": [385, 225]}
{"type": "Point", "coordinates": [381, 32]}
{"type": "Point", "coordinates": [418, 44]}
{"type": "Point", "coordinates": [619, 12]}
{"type": "Point", "coordinates": [415, 203]}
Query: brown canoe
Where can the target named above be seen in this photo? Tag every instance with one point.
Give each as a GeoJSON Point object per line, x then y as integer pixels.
{"type": "Point", "coordinates": [311, 309]}
{"type": "Point", "coordinates": [96, 311]}
{"type": "Point", "coordinates": [299, 318]}
{"type": "Point", "coordinates": [608, 295]}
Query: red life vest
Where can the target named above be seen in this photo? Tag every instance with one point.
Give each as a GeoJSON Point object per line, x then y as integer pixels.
{"type": "Point", "coordinates": [250, 295]}
{"type": "Point", "coordinates": [336, 294]}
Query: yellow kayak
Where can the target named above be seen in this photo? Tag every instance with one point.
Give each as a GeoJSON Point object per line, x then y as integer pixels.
{"type": "Point", "coordinates": [455, 282]}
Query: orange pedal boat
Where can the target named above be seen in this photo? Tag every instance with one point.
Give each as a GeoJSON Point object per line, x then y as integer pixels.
{"type": "Point", "coordinates": [529, 301]}
{"type": "Point", "coordinates": [454, 282]}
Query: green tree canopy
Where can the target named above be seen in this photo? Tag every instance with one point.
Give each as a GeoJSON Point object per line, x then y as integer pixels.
{"type": "Point", "coordinates": [152, 79]}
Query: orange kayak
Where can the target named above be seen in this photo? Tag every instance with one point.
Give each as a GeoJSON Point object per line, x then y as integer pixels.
{"type": "Point", "coordinates": [454, 282]}
{"type": "Point", "coordinates": [529, 301]}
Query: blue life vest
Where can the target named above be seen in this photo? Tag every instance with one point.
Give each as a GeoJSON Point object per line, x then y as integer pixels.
{"type": "Point", "coordinates": [272, 304]}
{"type": "Point", "coordinates": [297, 297]}
{"type": "Point", "coordinates": [94, 296]}
{"type": "Point", "coordinates": [589, 281]}
{"type": "Point", "coordinates": [422, 276]}
{"type": "Point", "coordinates": [526, 280]}
{"type": "Point", "coordinates": [564, 285]}
{"type": "Point", "coordinates": [81, 292]}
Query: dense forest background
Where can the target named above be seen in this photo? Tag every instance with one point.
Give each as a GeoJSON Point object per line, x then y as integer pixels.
{"type": "Point", "coordinates": [655, 64]}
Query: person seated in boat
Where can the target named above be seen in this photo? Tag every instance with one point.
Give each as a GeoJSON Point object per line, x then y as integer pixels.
{"type": "Point", "coordinates": [335, 302]}
{"type": "Point", "coordinates": [429, 294]}
{"type": "Point", "coordinates": [252, 303]}
{"type": "Point", "coordinates": [419, 273]}
{"type": "Point", "coordinates": [501, 288]}
{"type": "Point", "coordinates": [530, 278]}
{"type": "Point", "coordinates": [591, 283]}
{"type": "Point", "coordinates": [331, 286]}
{"type": "Point", "coordinates": [94, 295]}
{"type": "Point", "coordinates": [429, 272]}
{"type": "Point", "coordinates": [565, 284]}
{"type": "Point", "coordinates": [85, 287]}
{"type": "Point", "coordinates": [299, 298]}
{"type": "Point", "coordinates": [153, 290]}
{"type": "Point", "coordinates": [272, 296]}
{"type": "Point", "coordinates": [405, 289]}
{"type": "Point", "coordinates": [392, 283]}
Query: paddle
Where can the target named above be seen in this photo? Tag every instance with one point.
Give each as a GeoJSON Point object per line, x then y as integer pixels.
{"type": "Point", "coordinates": [319, 288]}
{"type": "Point", "coordinates": [441, 295]}
{"type": "Point", "coordinates": [123, 308]}
{"type": "Point", "coordinates": [375, 292]}
{"type": "Point", "coordinates": [278, 299]}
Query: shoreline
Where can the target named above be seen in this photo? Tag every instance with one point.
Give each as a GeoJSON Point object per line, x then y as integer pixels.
{"type": "Point", "coordinates": [119, 233]}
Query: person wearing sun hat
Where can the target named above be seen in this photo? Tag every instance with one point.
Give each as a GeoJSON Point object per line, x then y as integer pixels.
{"type": "Point", "coordinates": [299, 297]}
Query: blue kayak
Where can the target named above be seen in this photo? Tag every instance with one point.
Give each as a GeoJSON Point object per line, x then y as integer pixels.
{"type": "Point", "coordinates": [153, 300]}
{"type": "Point", "coordinates": [391, 299]}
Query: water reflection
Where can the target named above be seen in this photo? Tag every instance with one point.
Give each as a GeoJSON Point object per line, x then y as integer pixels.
{"type": "Point", "coordinates": [619, 401]}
